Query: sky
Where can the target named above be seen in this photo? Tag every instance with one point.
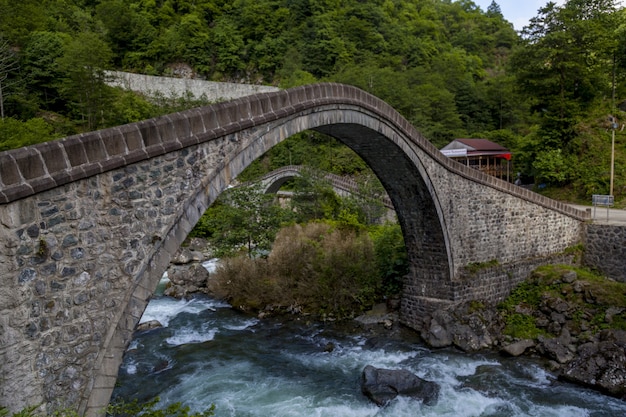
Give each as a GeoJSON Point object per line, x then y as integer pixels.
{"type": "Point", "coordinates": [519, 12]}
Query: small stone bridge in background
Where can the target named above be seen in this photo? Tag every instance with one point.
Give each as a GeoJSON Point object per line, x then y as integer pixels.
{"type": "Point", "coordinates": [89, 223]}
{"type": "Point", "coordinates": [273, 181]}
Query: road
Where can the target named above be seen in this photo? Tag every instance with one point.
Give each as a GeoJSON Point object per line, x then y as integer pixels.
{"type": "Point", "coordinates": [615, 216]}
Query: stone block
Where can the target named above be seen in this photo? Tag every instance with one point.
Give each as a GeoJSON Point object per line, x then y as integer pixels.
{"type": "Point", "coordinates": [9, 170]}
{"type": "Point", "coordinates": [114, 142]}
{"type": "Point", "coordinates": [94, 148]}
{"type": "Point", "coordinates": [149, 133]}
{"type": "Point", "coordinates": [75, 151]}
{"type": "Point", "coordinates": [54, 156]}
{"type": "Point", "coordinates": [29, 162]}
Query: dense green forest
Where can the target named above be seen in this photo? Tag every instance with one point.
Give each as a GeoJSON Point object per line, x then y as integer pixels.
{"type": "Point", "coordinates": [452, 69]}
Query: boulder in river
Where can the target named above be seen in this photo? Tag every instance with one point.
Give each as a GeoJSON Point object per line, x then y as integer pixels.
{"type": "Point", "coordinates": [600, 364]}
{"type": "Point", "coordinates": [383, 385]}
{"type": "Point", "coordinates": [149, 325]}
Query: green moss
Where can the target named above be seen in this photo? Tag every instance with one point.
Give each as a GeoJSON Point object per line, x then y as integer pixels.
{"type": "Point", "coordinates": [474, 267]}
{"type": "Point", "coordinates": [522, 326]}
{"type": "Point", "coordinates": [591, 295]}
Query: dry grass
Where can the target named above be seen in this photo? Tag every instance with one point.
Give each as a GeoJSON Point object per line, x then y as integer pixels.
{"type": "Point", "coordinates": [317, 268]}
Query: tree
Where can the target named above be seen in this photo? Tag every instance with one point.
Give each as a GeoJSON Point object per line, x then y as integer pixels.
{"type": "Point", "coordinates": [565, 64]}
{"type": "Point", "coordinates": [314, 197]}
{"type": "Point", "coordinates": [8, 66]}
{"type": "Point", "coordinates": [85, 57]}
{"type": "Point", "coordinates": [243, 218]}
{"type": "Point", "coordinates": [40, 66]}
{"type": "Point", "coordinates": [494, 9]}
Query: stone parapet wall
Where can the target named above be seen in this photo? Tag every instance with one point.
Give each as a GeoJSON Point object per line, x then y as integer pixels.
{"type": "Point", "coordinates": [488, 284]}
{"type": "Point", "coordinates": [605, 249]}
{"type": "Point", "coordinates": [171, 87]}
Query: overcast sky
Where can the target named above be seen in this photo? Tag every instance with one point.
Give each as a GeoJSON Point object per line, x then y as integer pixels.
{"type": "Point", "coordinates": [519, 12]}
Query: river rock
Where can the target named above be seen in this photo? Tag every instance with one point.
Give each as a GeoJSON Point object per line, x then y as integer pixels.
{"type": "Point", "coordinates": [600, 364]}
{"type": "Point", "coordinates": [557, 348]}
{"type": "Point", "coordinates": [149, 325]}
{"type": "Point", "coordinates": [468, 330]}
{"type": "Point", "coordinates": [187, 279]}
{"type": "Point", "coordinates": [383, 385]}
{"type": "Point", "coordinates": [436, 331]}
{"type": "Point", "coordinates": [184, 255]}
{"type": "Point", "coordinates": [518, 348]}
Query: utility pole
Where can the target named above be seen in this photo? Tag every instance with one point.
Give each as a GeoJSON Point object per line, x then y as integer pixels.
{"type": "Point", "coordinates": [613, 127]}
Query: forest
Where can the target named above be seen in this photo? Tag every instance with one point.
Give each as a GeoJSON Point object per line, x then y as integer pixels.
{"type": "Point", "coordinates": [554, 93]}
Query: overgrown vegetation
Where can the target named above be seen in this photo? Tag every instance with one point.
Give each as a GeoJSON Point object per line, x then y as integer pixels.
{"type": "Point", "coordinates": [589, 302]}
{"type": "Point", "coordinates": [326, 259]}
{"type": "Point", "coordinates": [316, 268]}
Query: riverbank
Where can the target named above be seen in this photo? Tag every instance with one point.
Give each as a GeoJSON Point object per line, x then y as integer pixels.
{"type": "Point", "coordinates": [573, 321]}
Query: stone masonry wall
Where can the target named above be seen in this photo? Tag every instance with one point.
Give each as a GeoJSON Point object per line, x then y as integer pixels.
{"type": "Point", "coordinates": [170, 87]}
{"type": "Point", "coordinates": [73, 254]}
{"type": "Point", "coordinates": [605, 249]}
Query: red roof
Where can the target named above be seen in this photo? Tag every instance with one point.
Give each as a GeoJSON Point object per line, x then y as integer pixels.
{"type": "Point", "coordinates": [482, 145]}
{"type": "Point", "coordinates": [459, 148]}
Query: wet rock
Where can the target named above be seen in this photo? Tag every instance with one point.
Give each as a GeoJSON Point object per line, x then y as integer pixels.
{"type": "Point", "coordinates": [149, 325]}
{"type": "Point", "coordinates": [187, 279]}
{"type": "Point", "coordinates": [469, 331]}
{"type": "Point", "coordinates": [184, 256]}
{"type": "Point", "coordinates": [383, 385]}
{"type": "Point", "coordinates": [436, 332]}
{"type": "Point", "coordinates": [556, 349]}
{"type": "Point", "coordinates": [600, 364]}
{"type": "Point", "coordinates": [518, 348]}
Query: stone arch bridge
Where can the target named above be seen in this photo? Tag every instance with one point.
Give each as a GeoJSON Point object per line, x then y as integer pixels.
{"type": "Point", "coordinates": [89, 223]}
{"type": "Point", "coordinates": [273, 181]}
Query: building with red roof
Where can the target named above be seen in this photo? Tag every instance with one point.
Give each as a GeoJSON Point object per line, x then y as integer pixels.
{"type": "Point", "coordinates": [481, 154]}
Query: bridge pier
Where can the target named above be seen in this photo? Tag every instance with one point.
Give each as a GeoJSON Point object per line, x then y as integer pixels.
{"type": "Point", "coordinates": [489, 284]}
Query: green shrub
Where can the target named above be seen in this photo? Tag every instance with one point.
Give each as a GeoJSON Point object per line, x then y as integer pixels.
{"type": "Point", "coordinates": [318, 267]}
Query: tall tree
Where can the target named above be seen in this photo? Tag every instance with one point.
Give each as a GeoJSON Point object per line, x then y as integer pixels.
{"type": "Point", "coordinates": [83, 63]}
{"type": "Point", "coordinates": [565, 63]}
{"type": "Point", "coordinates": [8, 65]}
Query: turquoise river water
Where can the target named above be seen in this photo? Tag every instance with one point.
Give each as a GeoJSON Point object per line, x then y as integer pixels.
{"type": "Point", "coordinates": [207, 353]}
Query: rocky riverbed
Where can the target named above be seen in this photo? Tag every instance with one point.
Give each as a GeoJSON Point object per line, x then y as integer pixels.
{"type": "Point", "coordinates": [564, 320]}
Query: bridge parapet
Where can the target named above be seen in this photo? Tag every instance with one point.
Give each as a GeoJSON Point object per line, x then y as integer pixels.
{"type": "Point", "coordinates": [27, 171]}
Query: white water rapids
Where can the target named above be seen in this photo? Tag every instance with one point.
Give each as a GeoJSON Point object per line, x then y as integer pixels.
{"type": "Point", "coordinates": [206, 353]}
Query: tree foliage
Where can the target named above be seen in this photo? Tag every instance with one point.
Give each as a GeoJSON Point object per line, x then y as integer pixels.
{"type": "Point", "coordinates": [244, 219]}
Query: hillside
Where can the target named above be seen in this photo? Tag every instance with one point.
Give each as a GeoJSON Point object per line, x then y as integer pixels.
{"type": "Point", "coordinates": [452, 69]}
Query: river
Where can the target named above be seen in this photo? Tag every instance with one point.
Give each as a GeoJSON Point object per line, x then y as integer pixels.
{"type": "Point", "coordinates": [207, 353]}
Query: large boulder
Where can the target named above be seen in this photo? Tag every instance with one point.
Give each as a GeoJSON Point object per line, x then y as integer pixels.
{"type": "Point", "coordinates": [518, 348]}
{"type": "Point", "coordinates": [600, 364]}
{"type": "Point", "coordinates": [187, 279]}
{"type": "Point", "coordinates": [383, 385]}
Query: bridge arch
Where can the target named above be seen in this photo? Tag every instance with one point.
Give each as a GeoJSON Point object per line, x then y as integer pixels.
{"type": "Point", "coordinates": [89, 224]}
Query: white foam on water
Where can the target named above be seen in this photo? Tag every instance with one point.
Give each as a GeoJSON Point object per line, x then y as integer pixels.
{"type": "Point", "coordinates": [211, 265]}
{"type": "Point", "coordinates": [189, 336]}
{"type": "Point", "coordinates": [131, 367]}
{"type": "Point", "coordinates": [165, 309]}
{"type": "Point", "coordinates": [243, 326]}
{"type": "Point", "coordinates": [447, 369]}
